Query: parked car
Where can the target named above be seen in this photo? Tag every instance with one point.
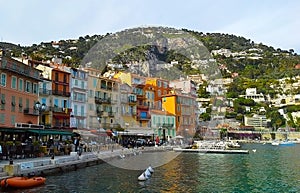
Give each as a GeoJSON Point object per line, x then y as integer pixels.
{"type": "Point", "coordinates": [140, 142]}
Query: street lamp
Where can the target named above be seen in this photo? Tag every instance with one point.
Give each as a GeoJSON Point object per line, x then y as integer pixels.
{"type": "Point", "coordinates": [41, 108]}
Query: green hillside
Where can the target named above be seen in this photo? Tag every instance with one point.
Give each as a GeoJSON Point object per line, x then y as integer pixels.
{"type": "Point", "coordinates": [271, 64]}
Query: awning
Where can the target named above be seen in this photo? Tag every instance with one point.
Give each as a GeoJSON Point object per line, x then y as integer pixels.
{"type": "Point", "coordinates": [12, 130]}
{"type": "Point", "coordinates": [50, 132]}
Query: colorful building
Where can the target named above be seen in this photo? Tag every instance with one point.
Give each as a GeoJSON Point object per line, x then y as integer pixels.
{"type": "Point", "coordinates": [184, 108]}
{"type": "Point", "coordinates": [78, 102]}
{"type": "Point", "coordinates": [19, 93]}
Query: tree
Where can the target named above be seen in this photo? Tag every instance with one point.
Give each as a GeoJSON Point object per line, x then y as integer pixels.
{"type": "Point", "coordinates": [205, 116]}
{"type": "Point", "coordinates": [277, 119]}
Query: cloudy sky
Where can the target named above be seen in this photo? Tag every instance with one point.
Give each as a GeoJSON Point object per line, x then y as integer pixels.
{"type": "Point", "coordinates": [274, 23]}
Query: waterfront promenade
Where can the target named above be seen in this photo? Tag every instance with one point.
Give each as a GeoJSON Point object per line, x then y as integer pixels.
{"type": "Point", "coordinates": [48, 164]}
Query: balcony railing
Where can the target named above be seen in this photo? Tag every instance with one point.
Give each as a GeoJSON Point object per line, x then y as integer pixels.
{"type": "Point", "coordinates": [143, 117]}
{"type": "Point", "coordinates": [99, 100]}
{"type": "Point", "coordinates": [61, 93]}
{"type": "Point", "coordinates": [60, 109]}
{"type": "Point", "coordinates": [131, 101]}
{"type": "Point", "coordinates": [142, 106]}
{"type": "Point", "coordinates": [111, 114]}
{"type": "Point", "coordinates": [79, 114]}
{"type": "Point", "coordinates": [31, 111]}
{"type": "Point", "coordinates": [165, 125]}
{"type": "Point", "coordinates": [45, 92]}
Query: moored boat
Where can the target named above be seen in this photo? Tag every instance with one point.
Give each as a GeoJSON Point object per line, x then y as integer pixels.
{"type": "Point", "coordinates": [283, 143]}
{"type": "Point", "coordinates": [22, 182]}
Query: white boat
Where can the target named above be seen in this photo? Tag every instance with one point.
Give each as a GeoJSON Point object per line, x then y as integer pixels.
{"type": "Point", "coordinates": [283, 143]}
{"type": "Point", "coordinates": [275, 143]}
{"type": "Point", "coordinates": [232, 144]}
{"type": "Point", "coordinates": [217, 145]}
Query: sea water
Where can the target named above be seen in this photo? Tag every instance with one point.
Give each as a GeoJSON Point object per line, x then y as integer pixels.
{"type": "Point", "coordinates": [265, 169]}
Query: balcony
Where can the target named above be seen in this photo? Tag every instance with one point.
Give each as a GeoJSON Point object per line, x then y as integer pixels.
{"type": "Point", "coordinates": [45, 92]}
{"type": "Point", "coordinates": [143, 117]}
{"type": "Point", "coordinates": [142, 106]}
{"type": "Point", "coordinates": [102, 114]}
{"type": "Point", "coordinates": [131, 101]}
{"type": "Point", "coordinates": [99, 100]}
{"type": "Point", "coordinates": [165, 125]}
{"type": "Point", "coordinates": [140, 96]}
{"type": "Point", "coordinates": [111, 114]}
{"type": "Point", "coordinates": [56, 109]}
{"type": "Point", "coordinates": [79, 114]}
{"type": "Point", "coordinates": [31, 111]}
{"type": "Point", "coordinates": [61, 93]}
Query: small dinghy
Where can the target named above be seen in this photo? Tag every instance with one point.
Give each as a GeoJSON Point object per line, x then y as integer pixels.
{"type": "Point", "coordinates": [146, 174]}
{"type": "Point", "coordinates": [22, 182]}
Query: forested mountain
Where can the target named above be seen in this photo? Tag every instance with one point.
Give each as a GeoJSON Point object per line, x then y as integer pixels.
{"type": "Point", "coordinates": [249, 59]}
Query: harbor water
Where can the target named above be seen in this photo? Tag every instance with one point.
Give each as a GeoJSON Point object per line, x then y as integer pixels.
{"type": "Point", "coordinates": [265, 169]}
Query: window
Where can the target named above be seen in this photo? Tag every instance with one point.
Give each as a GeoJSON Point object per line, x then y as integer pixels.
{"type": "Point", "coordinates": [3, 79]}
{"type": "Point", "coordinates": [56, 102]}
{"type": "Point", "coordinates": [14, 82]}
{"type": "Point", "coordinates": [82, 85]}
{"type": "Point", "coordinates": [159, 83]}
{"type": "Point", "coordinates": [20, 104]}
{"type": "Point", "coordinates": [13, 119]}
{"type": "Point", "coordinates": [13, 103]}
{"type": "Point", "coordinates": [21, 86]}
{"type": "Point", "coordinates": [91, 106]}
{"type": "Point", "coordinates": [27, 103]}
{"type": "Point", "coordinates": [28, 87]}
{"type": "Point", "coordinates": [35, 88]}
{"type": "Point", "coordinates": [2, 101]}
{"type": "Point", "coordinates": [94, 82]}
{"type": "Point", "coordinates": [65, 103]}
{"type": "Point", "coordinates": [2, 118]}
{"type": "Point", "coordinates": [65, 78]}
{"type": "Point", "coordinates": [44, 101]}
{"type": "Point", "coordinates": [75, 110]}
{"type": "Point", "coordinates": [76, 82]}
{"type": "Point", "coordinates": [56, 76]}
{"type": "Point", "coordinates": [91, 93]}
{"type": "Point", "coordinates": [65, 89]}
{"type": "Point", "coordinates": [82, 110]}
{"type": "Point", "coordinates": [165, 84]}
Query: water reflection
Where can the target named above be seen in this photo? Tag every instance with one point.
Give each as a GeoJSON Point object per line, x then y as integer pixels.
{"type": "Point", "coordinates": [269, 169]}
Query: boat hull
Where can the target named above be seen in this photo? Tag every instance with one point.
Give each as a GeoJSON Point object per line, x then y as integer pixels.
{"type": "Point", "coordinates": [216, 151]}
{"type": "Point", "coordinates": [22, 182]}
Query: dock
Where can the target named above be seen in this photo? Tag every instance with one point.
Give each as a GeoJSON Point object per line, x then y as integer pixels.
{"type": "Point", "coordinates": [213, 151]}
{"type": "Point", "coordinates": [48, 165]}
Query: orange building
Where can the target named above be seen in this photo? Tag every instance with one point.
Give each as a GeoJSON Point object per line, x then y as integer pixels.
{"type": "Point", "coordinates": [143, 116]}
{"type": "Point", "coordinates": [158, 87]}
{"type": "Point", "coordinates": [19, 93]}
{"type": "Point", "coordinates": [184, 108]}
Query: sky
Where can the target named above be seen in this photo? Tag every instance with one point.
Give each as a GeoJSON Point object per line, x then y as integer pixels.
{"type": "Point", "coordinates": [272, 22]}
